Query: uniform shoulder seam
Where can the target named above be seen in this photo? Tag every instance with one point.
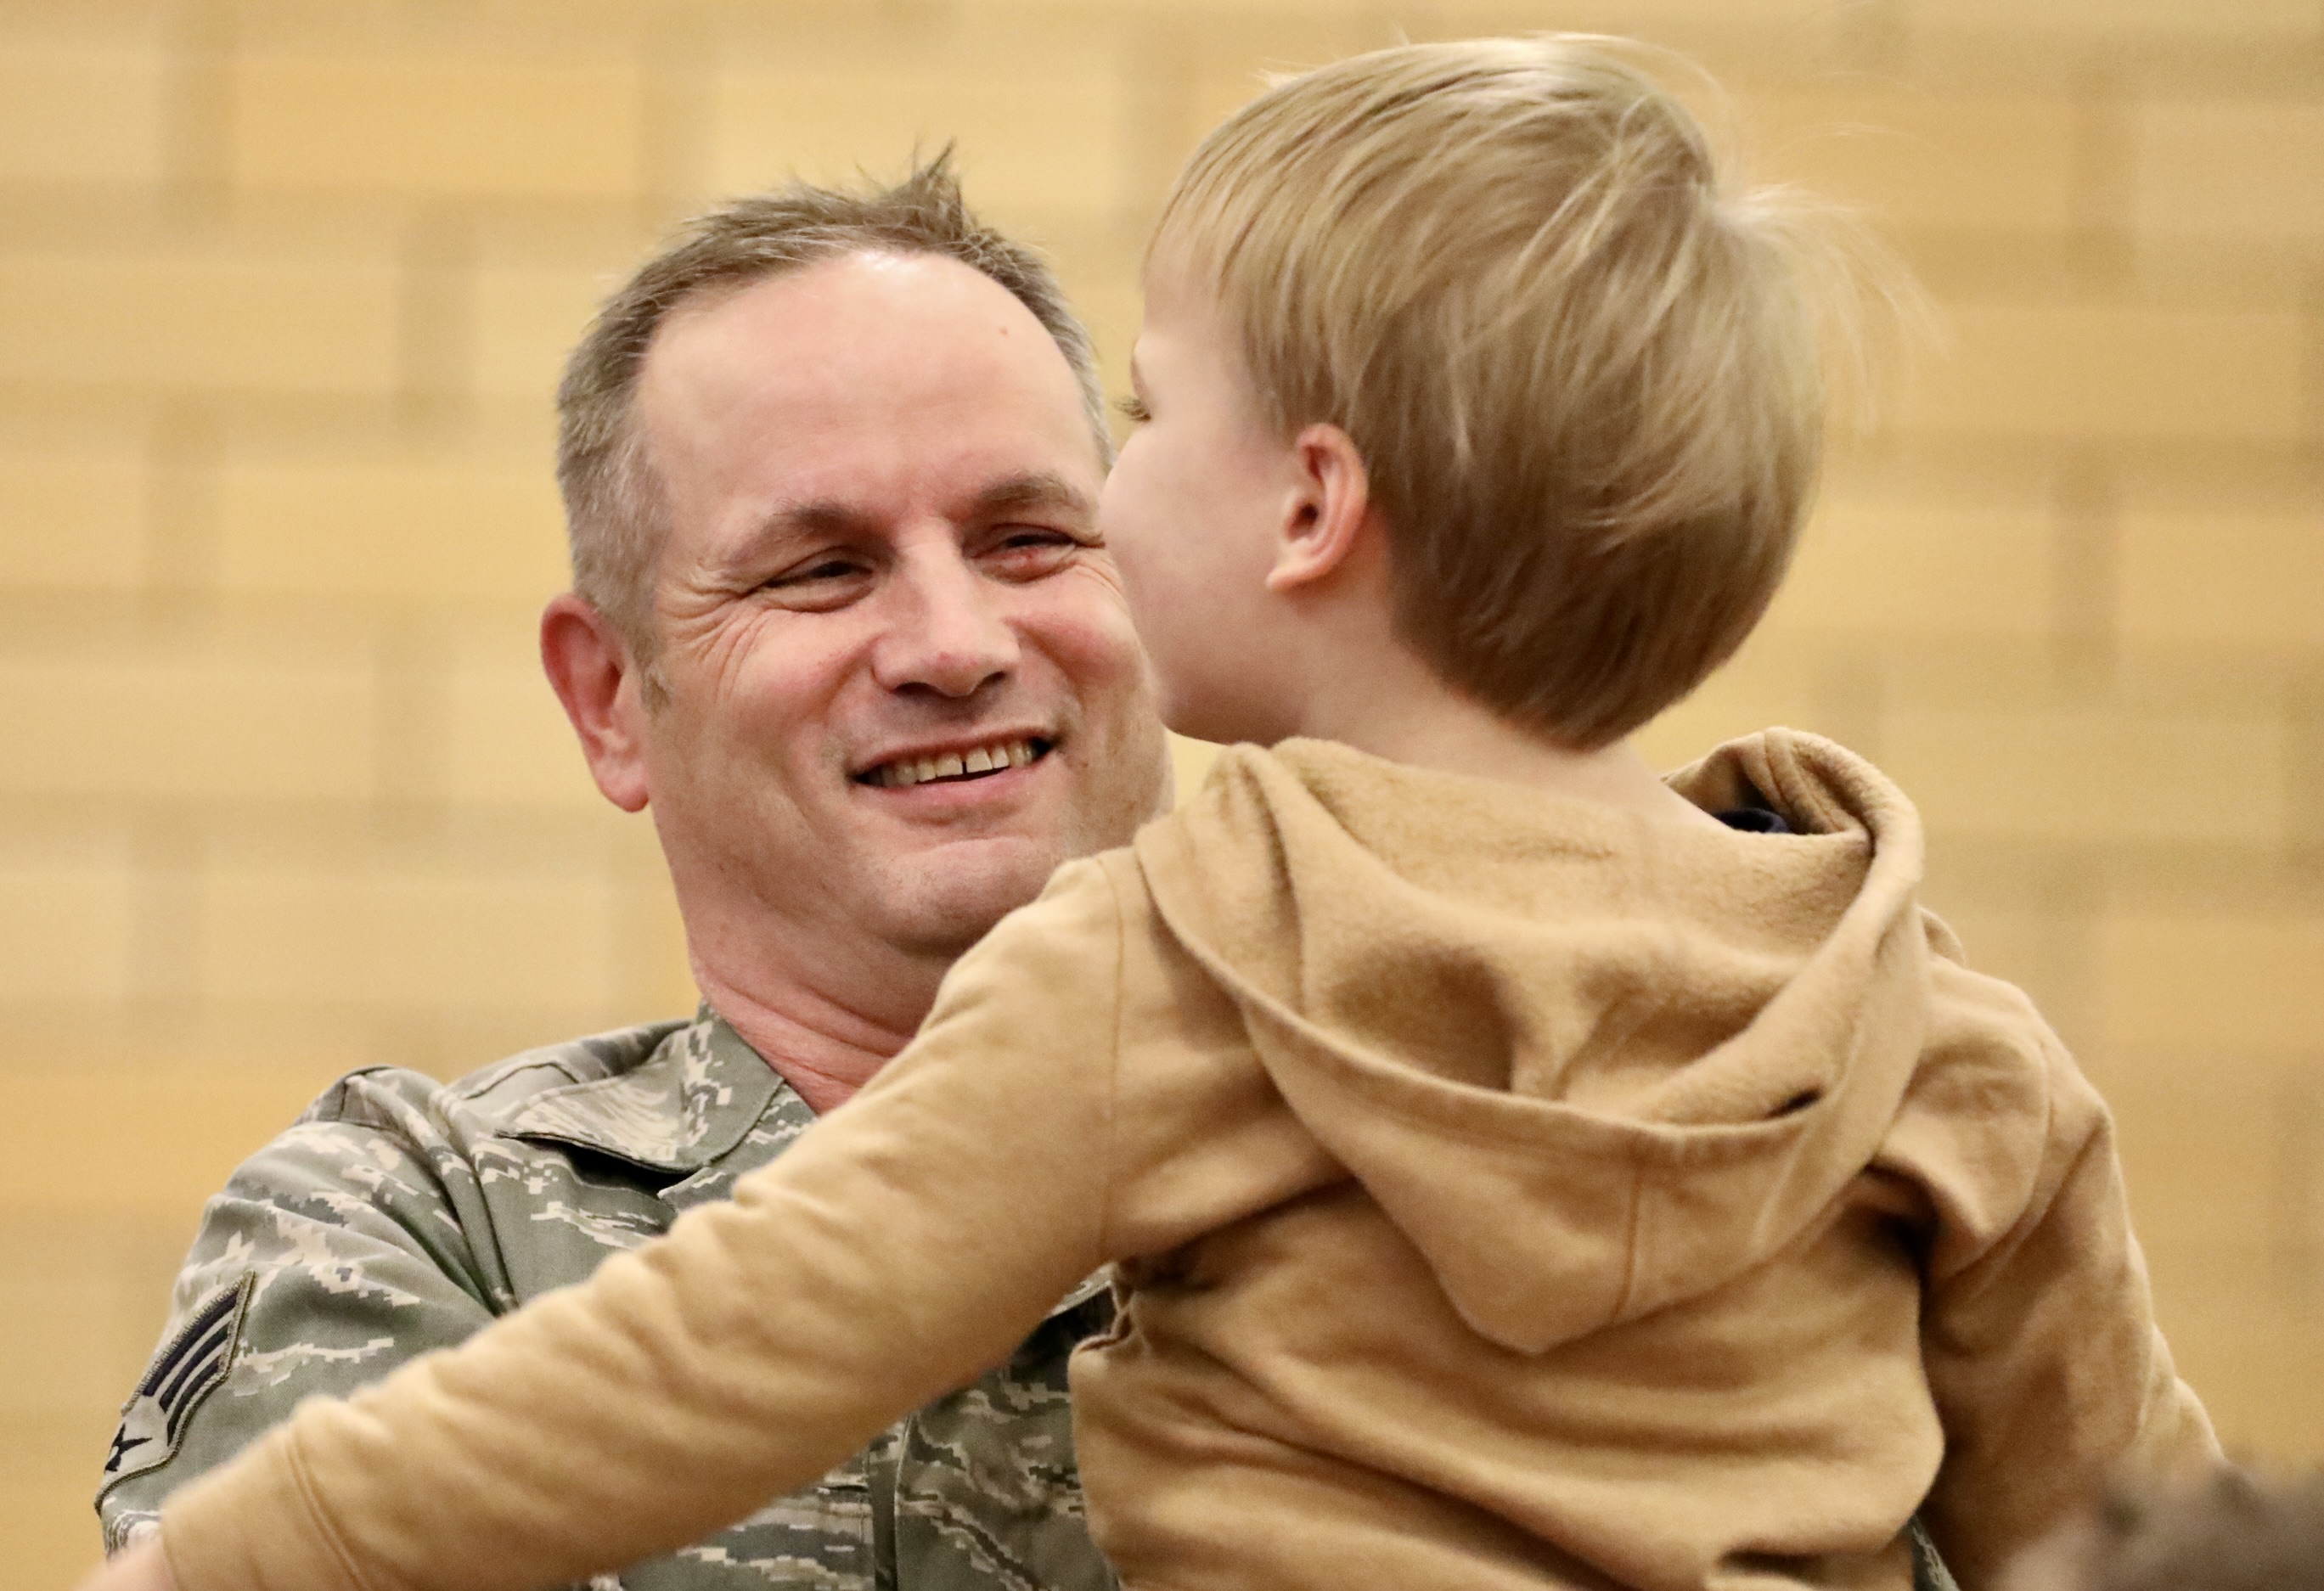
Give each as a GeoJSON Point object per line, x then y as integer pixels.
{"type": "Point", "coordinates": [342, 1102]}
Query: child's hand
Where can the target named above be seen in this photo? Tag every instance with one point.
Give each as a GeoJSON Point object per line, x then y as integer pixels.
{"type": "Point", "coordinates": [140, 1568]}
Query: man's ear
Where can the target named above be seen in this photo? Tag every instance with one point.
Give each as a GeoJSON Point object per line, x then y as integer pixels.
{"type": "Point", "coordinates": [590, 667]}
{"type": "Point", "coordinates": [1330, 515]}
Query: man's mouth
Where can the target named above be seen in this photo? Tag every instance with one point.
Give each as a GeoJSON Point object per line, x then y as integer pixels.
{"type": "Point", "coordinates": [977, 762]}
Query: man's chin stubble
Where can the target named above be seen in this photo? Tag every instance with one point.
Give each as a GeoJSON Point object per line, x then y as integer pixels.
{"type": "Point", "coordinates": [946, 905]}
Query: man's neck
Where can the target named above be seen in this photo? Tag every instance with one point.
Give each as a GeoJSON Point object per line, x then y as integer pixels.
{"type": "Point", "coordinates": [824, 1044]}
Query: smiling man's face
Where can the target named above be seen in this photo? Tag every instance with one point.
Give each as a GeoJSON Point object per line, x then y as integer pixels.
{"type": "Point", "coordinates": [900, 682]}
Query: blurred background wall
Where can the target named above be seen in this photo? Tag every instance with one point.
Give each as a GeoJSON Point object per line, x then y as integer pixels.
{"type": "Point", "coordinates": [283, 291]}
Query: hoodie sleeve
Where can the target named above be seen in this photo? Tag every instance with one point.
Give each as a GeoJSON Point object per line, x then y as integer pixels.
{"type": "Point", "coordinates": [910, 1239]}
{"type": "Point", "coordinates": [2049, 1373]}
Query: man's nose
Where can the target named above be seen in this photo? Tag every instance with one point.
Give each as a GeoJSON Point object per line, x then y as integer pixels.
{"type": "Point", "coordinates": [948, 632]}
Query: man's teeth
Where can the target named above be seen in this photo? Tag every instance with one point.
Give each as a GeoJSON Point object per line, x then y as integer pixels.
{"type": "Point", "coordinates": [952, 765]}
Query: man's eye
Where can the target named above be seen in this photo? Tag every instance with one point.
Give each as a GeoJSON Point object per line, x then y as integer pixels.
{"type": "Point", "coordinates": [809, 573]}
{"type": "Point", "coordinates": [818, 584]}
{"type": "Point", "coordinates": [1133, 409]}
{"type": "Point", "coordinates": [1029, 552]}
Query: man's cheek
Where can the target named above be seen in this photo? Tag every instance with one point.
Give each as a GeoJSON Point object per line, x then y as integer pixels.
{"type": "Point", "coordinates": [1094, 575]}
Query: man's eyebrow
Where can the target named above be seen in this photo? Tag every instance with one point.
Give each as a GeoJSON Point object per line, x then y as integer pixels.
{"type": "Point", "coordinates": [806, 519]}
{"type": "Point", "coordinates": [1039, 489]}
{"type": "Point", "coordinates": [813, 515]}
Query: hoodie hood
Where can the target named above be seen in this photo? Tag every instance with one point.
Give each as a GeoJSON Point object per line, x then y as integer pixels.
{"type": "Point", "coordinates": [1591, 1062]}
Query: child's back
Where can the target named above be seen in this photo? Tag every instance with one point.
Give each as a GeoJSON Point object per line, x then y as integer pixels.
{"type": "Point", "coordinates": [1679, 1197]}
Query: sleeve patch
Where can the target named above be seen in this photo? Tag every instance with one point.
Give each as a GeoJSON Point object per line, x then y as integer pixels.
{"type": "Point", "coordinates": [189, 1365]}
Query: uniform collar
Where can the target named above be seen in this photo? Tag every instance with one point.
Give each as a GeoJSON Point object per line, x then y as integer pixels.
{"type": "Point", "coordinates": [706, 1107]}
{"type": "Point", "coordinates": [688, 1104]}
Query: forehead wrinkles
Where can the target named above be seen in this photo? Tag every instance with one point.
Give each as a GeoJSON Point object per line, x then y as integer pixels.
{"type": "Point", "coordinates": [908, 402]}
{"type": "Point", "coordinates": [861, 330]}
{"type": "Point", "coordinates": [813, 437]}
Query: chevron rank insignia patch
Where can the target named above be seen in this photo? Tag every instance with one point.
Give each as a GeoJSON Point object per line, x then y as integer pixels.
{"type": "Point", "coordinates": [186, 1370]}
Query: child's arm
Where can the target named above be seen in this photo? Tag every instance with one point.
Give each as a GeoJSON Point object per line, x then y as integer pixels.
{"type": "Point", "coordinates": [901, 1247]}
{"type": "Point", "coordinates": [2049, 1373]}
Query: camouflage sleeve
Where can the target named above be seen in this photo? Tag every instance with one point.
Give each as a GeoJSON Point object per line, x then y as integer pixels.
{"type": "Point", "coordinates": [1929, 1571]}
{"type": "Point", "coordinates": [335, 1254]}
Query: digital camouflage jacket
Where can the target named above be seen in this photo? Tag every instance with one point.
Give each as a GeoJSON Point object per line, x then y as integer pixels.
{"type": "Point", "coordinates": [400, 1214]}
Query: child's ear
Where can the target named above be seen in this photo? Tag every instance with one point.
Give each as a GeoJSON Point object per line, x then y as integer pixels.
{"type": "Point", "coordinates": [1330, 510]}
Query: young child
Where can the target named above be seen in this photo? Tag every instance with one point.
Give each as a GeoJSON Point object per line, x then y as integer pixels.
{"type": "Point", "coordinates": [1519, 1175]}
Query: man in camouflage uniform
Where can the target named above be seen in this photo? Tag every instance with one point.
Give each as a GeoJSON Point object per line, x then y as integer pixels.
{"type": "Point", "coordinates": [830, 488]}
{"type": "Point", "coordinates": [399, 1214]}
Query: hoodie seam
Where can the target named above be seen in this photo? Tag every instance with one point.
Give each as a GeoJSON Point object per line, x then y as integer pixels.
{"type": "Point", "coordinates": [1973, 1277]}
{"type": "Point", "coordinates": [1645, 890]}
{"type": "Point", "coordinates": [325, 1532]}
{"type": "Point", "coordinates": [1111, 1101]}
{"type": "Point", "coordinates": [1633, 1225]}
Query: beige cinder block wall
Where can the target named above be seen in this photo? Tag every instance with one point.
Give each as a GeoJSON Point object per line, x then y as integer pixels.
{"type": "Point", "coordinates": [283, 288]}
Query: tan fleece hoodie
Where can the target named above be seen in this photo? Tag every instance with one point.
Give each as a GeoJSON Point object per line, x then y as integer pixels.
{"type": "Point", "coordinates": [1511, 1193]}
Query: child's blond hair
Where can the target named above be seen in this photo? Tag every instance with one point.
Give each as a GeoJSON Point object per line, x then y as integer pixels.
{"type": "Point", "coordinates": [1581, 368]}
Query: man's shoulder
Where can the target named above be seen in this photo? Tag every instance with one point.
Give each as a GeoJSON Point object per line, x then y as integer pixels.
{"type": "Point", "coordinates": [668, 1112]}
{"type": "Point", "coordinates": [395, 1216]}
{"type": "Point", "coordinates": [492, 1099]}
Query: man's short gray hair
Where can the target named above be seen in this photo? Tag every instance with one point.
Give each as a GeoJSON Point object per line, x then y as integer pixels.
{"type": "Point", "coordinates": [612, 505]}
